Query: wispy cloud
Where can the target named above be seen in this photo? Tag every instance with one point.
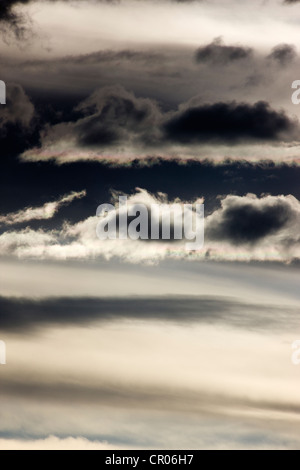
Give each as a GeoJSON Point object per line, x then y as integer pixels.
{"type": "Point", "coordinates": [21, 315]}
{"type": "Point", "coordinates": [45, 212]}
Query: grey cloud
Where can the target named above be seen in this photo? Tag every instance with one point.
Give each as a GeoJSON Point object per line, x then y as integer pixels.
{"type": "Point", "coordinates": [111, 116]}
{"type": "Point", "coordinates": [217, 53]}
{"type": "Point", "coordinates": [248, 220]}
{"type": "Point", "coordinates": [18, 109]}
{"type": "Point", "coordinates": [283, 54]}
{"type": "Point", "coordinates": [104, 61]}
{"type": "Point", "coordinates": [12, 20]}
{"type": "Point", "coordinates": [115, 119]}
{"type": "Point", "coordinates": [136, 397]}
{"type": "Point", "coordinates": [161, 73]}
{"type": "Point", "coordinates": [230, 122]}
{"type": "Point", "coordinates": [106, 56]}
{"type": "Point", "coordinates": [21, 315]}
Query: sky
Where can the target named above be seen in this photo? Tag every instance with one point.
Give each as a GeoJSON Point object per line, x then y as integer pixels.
{"type": "Point", "coordinates": [123, 344]}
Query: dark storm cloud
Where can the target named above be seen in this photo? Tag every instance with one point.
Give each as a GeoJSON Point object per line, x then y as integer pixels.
{"type": "Point", "coordinates": [248, 220]}
{"type": "Point", "coordinates": [283, 54]}
{"type": "Point", "coordinates": [21, 315]}
{"type": "Point", "coordinates": [217, 53]}
{"type": "Point", "coordinates": [110, 116]}
{"type": "Point", "coordinates": [113, 119]}
{"type": "Point", "coordinates": [230, 122]}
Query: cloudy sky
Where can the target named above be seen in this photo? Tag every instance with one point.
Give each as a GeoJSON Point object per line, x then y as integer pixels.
{"type": "Point", "coordinates": [123, 344]}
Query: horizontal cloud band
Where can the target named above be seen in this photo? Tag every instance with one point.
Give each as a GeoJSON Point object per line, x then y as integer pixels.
{"type": "Point", "coordinates": [113, 121]}
{"type": "Point", "coordinates": [242, 229]}
{"type": "Point", "coordinates": [22, 315]}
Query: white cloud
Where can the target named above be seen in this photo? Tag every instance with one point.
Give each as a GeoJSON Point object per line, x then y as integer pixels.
{"type": "Point", "coordinates": [54, 443]}
{"type": "Point", "coordinates": [244, 229]}
{"type": "Point", "coordinates": [47, 211]}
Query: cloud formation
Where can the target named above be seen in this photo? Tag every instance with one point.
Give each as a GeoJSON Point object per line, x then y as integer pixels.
{"type": "Point", "coordinates": [230, 122]}
{"type": "Point", "coordinates": [105, 56]}
{"type": "Point", "coordinates": [112, 118]}
{"type": "Point", "coordinates": [245, 228]}
{"type": "Point", "coordinates": [114, 122]}
{"type": "Point", "coordinates": [55, 443]}
{"type": "Point", "coordinates": [47, 211]}
{"type": "Point", "coordinates": [11, 19]}
{"type": "Point", "coordinates": [163, 398]}
{"type": "Point", "coordinates": [283, 54]}
{"type": "Point", "coordinates": [217, 53]}
{"type": "Point", "coordinates": [22, 315]}
{"type": "Point", "coordinates": [248, 220]}
{"type": "Point", "coordinates": [81, 360]}
{"type": "Point", "coordinates": [18, 110]}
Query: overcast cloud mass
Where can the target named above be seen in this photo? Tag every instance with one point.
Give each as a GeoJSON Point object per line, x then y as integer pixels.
{"type": "Point", "coordinates": [123, 344]}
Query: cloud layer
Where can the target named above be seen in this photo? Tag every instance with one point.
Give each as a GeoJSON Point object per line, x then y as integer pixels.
{"type": "Point", "coordinates": [114, 121]}
{"type": "Point", "coordinates": [244, 228]}
{"type": "Point", "coordinates": [25, 315]}
{"type": "Point", "coordinates": [115, 344]}
{"type": "Point", "coordinates": [217, 53]}
{"type": "Point", "coordinates": [55, 443]}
